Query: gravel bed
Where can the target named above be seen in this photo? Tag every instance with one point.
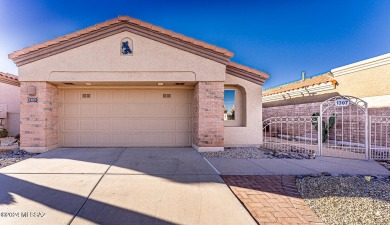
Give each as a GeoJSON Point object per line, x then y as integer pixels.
{"type": "Point", "coordinates": [9, 158]}
{"type": "Point", "coordinates": [255, 153]}
{"type": "Point", "coordinates": [347, 199]}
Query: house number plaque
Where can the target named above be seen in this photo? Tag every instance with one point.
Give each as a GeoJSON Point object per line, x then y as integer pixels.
{"type": "Point", "coordinates": [341, 102]}
{"type": "Point", "coordinates": [32, 100]}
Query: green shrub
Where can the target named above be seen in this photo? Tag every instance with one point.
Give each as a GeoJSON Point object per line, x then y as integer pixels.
{"type": "Point", "coordinates": [3, 133]}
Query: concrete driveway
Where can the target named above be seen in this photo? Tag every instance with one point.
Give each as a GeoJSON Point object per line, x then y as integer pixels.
{"type": "Point", "coordinates": [117, 186]}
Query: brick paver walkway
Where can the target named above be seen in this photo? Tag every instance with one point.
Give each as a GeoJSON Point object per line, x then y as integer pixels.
{"type": "Point", "coordinates": [272, 199]}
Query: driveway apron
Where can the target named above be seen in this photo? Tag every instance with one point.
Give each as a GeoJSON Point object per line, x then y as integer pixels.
{"type": "Point", "coordinates": [117, 186]}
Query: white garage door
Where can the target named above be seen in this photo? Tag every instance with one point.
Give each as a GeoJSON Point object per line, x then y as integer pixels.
{"type": "Point", "coordinates": [120, 118]}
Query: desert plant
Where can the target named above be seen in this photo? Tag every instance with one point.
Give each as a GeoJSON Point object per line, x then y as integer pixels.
{"type": "Point", "coordinates": [325, 126]}
{"type": "Point", "coordinates": [3, 133]}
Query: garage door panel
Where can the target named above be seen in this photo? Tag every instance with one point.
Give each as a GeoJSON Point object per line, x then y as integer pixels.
{"type": "Point", "coordinates": [117, 118]}
{"type": "Point", "coordinates": [182, 125]}
{"type": "Point", "coordinates": [71, 110]}
{"type": "Point", "coordinates": [87, 139]}
{"type": "Point", "coordinates": [151, 97]}
{"type": "Point", "coordinates": [155, 124]}
{"type": "Point", "coordinates": [103, 96]}
{"type": "Point", "coordinates": [71, 96]}
{"type": "Point", "coordinates": [119, 139]}
{"type": "Point", "coordinates": [134, 124]}
{"type": "Point", "coordinates": [158, 110]}
{"type": "Point", "coordinates": [87, 110]}
{"type": "Point", "coordinates": [135, 140]}
{"type": "Point", "coordinates": [86, 96]}
{"type": "Point", "coordinates": [71, 139]}
{"type": "Point", "coordinates": [102, 124]}
{"type": "Point", "coordinates": [166, 139]}
{"type": "Point", "coordinates": [183, 139]}
{"type": "Point", "coordinates": [149, 139]}
{"type": "Point", "coordinates": [117, 125]}
{"type": "Point", "coordinates": [181, 97]}
{"type": "Point", "coordinates": [134, 110]}
{"type": "Point", "coordinates": [135, 96]}
{"type": "Point", "coordinates": [102, 110]}
{"type": "Point", "coordinates": [102, 140]}
{"type": "Point", "coordinates": [117, 110]}
{"type": "Point", "coordinates": [182, 110]}
{"type": "Point", "coordinates": [71, 125]}
{"type": "Point", "coordinates": [87, 124]}
{"type": "Point", "coordinates": [118, 96]}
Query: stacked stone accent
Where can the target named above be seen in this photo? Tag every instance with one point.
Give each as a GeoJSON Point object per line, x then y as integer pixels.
{"type": "Point", "coordinates": [208, 114]}
{"type": "Point", "coordinates": [39, 122]}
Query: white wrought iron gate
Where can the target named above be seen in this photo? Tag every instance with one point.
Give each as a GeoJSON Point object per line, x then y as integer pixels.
{"type": "Point", "coordinates": [344, 127]}
{"type": "Point", "coordinates": [341, 128]}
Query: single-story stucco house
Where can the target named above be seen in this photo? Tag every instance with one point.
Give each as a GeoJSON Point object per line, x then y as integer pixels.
{"type": "Point", "coordinates": [128, 83]}
{"type": "Point", "coordinates": [9, 103]}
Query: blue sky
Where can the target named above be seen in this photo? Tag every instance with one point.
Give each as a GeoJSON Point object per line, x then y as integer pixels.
{"type": "Point", "coordinates": [229, 99]}
{"type": "Point", "coordinates": [279, 37]}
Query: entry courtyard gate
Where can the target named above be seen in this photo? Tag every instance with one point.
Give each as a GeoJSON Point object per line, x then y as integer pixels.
{"type": "Point", "coordinates": [340, 128]}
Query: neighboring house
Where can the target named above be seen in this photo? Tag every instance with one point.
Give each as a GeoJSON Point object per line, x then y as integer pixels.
{"type": "Point", "coordinates": [9, 103]}
{"type": "Point", "coordinates": [368, 79]}
{"type": "Point", "coordinates": [125, 82]}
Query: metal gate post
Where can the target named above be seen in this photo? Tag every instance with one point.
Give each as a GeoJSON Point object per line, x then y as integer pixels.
{"type": "Point", "coordinates": [319, 120]}
{"type": "Point", "coordinates": [368, 132]}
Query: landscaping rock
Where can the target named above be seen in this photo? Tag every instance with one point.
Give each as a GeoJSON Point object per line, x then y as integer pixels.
{"type": "Point", "coordinates": [347, 199]}
{"type": "Point", "coordinates": [14, 156]}
{"type": "Point", "coordinates": [255, 153]}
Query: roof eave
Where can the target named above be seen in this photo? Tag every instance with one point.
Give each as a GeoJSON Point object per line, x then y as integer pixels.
{"type": "Point", "coordinates": [113, 27]}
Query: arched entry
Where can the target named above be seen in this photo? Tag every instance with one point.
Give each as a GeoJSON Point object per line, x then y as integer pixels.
{"type": "Point", "coordinates": [344, 127]}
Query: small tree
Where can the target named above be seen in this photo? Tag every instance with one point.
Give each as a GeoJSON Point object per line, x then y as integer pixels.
{"type": "Point", "coordinates": [325, 126]}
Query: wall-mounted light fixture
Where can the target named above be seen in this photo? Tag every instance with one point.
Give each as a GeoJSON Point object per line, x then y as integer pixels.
{"type": "Point", "coordinates": [31, 90]}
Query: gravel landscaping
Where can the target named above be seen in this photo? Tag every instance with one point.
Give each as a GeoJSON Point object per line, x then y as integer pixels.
{"type": "Point", "coordinates": [9, 158]}
{"type": "Point", "coordinates": [255, 153]}
{"type": "Point", "coordinates": [346, 199]}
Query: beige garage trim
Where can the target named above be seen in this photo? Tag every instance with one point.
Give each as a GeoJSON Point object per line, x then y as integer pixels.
{"type": "Point", "coordinates": [125, 117]}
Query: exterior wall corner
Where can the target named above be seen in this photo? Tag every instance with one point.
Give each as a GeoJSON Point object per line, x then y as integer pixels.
{"type": "Point", "coordinates": [39, 122]}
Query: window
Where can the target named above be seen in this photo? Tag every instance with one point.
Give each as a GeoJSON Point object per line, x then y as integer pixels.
{"type": "Point", "coordinates": [229, 104]}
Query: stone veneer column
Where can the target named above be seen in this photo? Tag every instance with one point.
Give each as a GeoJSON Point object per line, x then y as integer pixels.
{"type": "Point", "coordinates": [208, 130]}
{"type": "Point", "coordinates": [39, 121]}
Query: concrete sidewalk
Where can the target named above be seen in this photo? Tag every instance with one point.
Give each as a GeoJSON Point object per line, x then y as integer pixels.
{"type": "Point", "coordinates": [295, 166]}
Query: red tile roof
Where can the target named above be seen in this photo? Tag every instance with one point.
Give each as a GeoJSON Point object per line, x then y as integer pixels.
{"type": "Point", "coordinates": [119, 20]}
{"type": "Point", "coordinates": [9, 76]}
{"type": "Point", "coordinates": [324, 78]}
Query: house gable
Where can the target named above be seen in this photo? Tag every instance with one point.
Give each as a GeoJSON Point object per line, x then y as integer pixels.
{"type": "Point", "coordinates": [115, 26]}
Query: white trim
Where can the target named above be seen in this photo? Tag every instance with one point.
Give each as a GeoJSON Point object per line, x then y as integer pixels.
{"type": "Point", "coordinates": [299, 92]}
{"type": "Point", "coordinates": [377, 101]}
{"type": "Point", "coordinates": [207, 149]}
{"type": "Point", "coordinates": [362, 65]}
{"type": "Point", "coordinates": [39, 149]}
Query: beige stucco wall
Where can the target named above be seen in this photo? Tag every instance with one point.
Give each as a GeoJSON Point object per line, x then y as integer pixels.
{"type": "Point", "coordinates": [101, 61]}
{"type": "Point", "coordinates": [365, 83]}
{"type": "Point", "coordinates": [250, 134]}
{"type": "Point", "coordinates": [9, 95]}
